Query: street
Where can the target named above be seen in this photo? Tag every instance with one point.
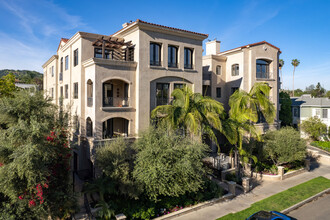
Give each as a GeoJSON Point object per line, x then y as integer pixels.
{"type": "Point", "coordinates": [318, 210]}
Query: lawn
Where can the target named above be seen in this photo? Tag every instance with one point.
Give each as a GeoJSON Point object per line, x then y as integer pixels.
{"type": "Point", "coordinates": [325, 145]}
{"type": "Point", "coordinates": [285, 199]}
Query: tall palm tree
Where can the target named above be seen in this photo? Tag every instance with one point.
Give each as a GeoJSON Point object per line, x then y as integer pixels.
{"type": "Point", "coordinates": [281, 64]}
{"type": "Point", "coordinates": [244, 110]}
{"type": "Point", "coordinates": [194, 114]}
{"type": "Point", "coordinates": [294, 63]}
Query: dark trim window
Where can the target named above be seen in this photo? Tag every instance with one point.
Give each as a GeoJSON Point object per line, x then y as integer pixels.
{"type": "Point", "coordinates": [179, 85]}
{"type": "Point", "coordinates": [218, 92]}
{"type": "Point", "coordinates": [51, 70]}
{"type": "Point", "coordinates": [162, 93]}
{"type": "Point", "coordinates": [172, 56]}
{"type": "Point", "coordinates": [75, 90]}
{"type": "Point", "coordinates": [61, 65]}
{"type": "Point", "coordinates": [295, 112]}
{"type": "Point", "coordinates": [188, 58]}
{"type": "Point", "coordinates": [61, 92]}
{"type": "Point", "coordinates": [66, 91]}
{"type": "Point", "coordinates": [67, 62]}
{"type": "Point", "coordinates": [235, 70]}
{"type": "Point", "coordinates": [75, 57]}
{"type": "Point", "coordinates": [89, 127]}
{"type": "Point", "coordinates": [262, 69]}
{"type": "Point", "coordinates": [218, 70]}
{"type": "Point", "coordinates": [155, 54]}
{"type": "Point", "coordinates": [233, 89]}
{"type": "Point", "coordinates": [324, 113]}
{"type": "Point", "coordinates": [98, 52]}
{"type": "Point", "coordinates": [52, 92]}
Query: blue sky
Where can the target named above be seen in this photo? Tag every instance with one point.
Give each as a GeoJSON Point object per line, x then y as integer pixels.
{"type": "Point", "coordinates": [30, 30]}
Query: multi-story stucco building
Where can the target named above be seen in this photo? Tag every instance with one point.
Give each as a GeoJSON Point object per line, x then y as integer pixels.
{"type": "Point", "coordinates": [240, 68]}
{"type": "Point", "coordinates": [112, 82]}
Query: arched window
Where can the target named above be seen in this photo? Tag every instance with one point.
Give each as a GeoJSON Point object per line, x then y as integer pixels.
{"type": "Point", "coordinates": [89, 93]}
{"type": "Point", "coordinates": [155, 54]}
{"type": "Point", "coordinates": [235, 70]}
{"type": "Point", "coordinates": [188, 58]}
{"type": "Point", "coordinates": [172, 56]}
{"type": "Point", "coordinates": [218, 70]}
{"type": "Point", "coordinates": [262, 69]}
{"type": "Point", "coordinates": [89, 127]}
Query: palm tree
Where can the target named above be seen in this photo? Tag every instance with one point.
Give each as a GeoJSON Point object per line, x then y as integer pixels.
{"type": "Point", "coordinates": [244, 110]}
{"type": "Point", "coordinates": [194, 114]}
{"type": "Point", "coordinates": [281, 64]}
{"type": "Point", "coordinates": [294, 63]}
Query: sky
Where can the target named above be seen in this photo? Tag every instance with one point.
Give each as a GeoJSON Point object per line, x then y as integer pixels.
{"type": "Point", "coordinates": [30, 30]}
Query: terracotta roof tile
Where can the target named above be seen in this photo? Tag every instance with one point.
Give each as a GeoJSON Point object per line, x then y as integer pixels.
{"type": "Point", "coordinates": [65, 40]}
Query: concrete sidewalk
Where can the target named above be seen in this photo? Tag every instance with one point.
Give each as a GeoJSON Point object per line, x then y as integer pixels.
{"type": "Point", "coordinates": [262, 191]}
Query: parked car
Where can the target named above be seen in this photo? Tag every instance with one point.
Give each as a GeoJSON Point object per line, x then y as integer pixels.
{"type": "Point", "coordinates": [269, 215]}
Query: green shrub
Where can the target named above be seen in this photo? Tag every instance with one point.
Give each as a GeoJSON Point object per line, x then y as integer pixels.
{"type": "Point", "coordinates": [284, 146]}
{"type": "Point", "coordinates": [325, 145]}
{"type": "Point", "coordinates": [314, 128]}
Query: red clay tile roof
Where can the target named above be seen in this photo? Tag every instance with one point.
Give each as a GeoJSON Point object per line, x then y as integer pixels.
{"type": "Point", "coordinates": [254, 44]}
{"type": "Point", "coordinates": [158, 25]}
{"type": "Point", "coordinates": [65, 40]}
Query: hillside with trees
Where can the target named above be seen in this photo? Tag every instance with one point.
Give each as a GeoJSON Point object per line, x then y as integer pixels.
{"type": "Point", "coordinates": [24, 76]}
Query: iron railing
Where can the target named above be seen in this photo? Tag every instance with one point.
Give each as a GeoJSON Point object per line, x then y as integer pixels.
{"type": "Point", "coordinates": [116, 102]}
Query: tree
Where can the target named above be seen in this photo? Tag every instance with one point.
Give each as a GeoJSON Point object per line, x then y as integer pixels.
{"type": "Point", "coordinates": [115, 159]}
{"type": "Point", "coordinates": [168, 164]}
{"type": "Point", "coordinates": [281, 64]}
{"type": "Point", "coordinates": [245, 108]}
{"type": "Point", "coordinates": [285, 112]}
{"type": "Point", "coordinates": [7, 85]}
{"type": "Point", "coordinates": [294, 63]}
{"type": "Point", "coordinates": [193, 113]}
{"type": "Point", "coordinates": [34, 159]}
{"type": "Point", "coordinates": [284, 146]}
{"type": "Point", "coordinates": [314, 127]}
{"type": "Point", "coordinates": [319, 91]}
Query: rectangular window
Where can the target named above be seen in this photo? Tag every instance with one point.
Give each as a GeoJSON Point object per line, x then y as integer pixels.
{"type": "Point", "coordinates": [67, 62]}
{"type": "Point", "coordinates": [179, 85]}
{"type": "Point", "coordinates": [61, 65]}
{"type": "Point", "coordinates": [75, 57]}
{"type": "Point", "coordinates": [295, 112]}
{"type": "Point", "coordinates": [324, 113]}
{"type": "Point", "coordinates": [162, 93]}
{"type": "Point", "coordinates": [155, 54]}
{"type": "Point", "coordinates": [206, 90]}
{"type": "Point", "coordinates": [218, 92]}
{"type": "Point", "coordinates": [75, 90]}
{"type": "Point", "coordinates": [52, 92]}
{"type": "Point", "coordinates": [233, 89]}
{"type": "Point", "coordinates": [66, 88]}
{"type": "Point", "coordinates": [235, 70]}
{"type": "Point", "coordinates": [97, 52]}
{"type": "Point", "coordinates": [61, 92]}
{"type": "Point", "coordinates": [172, 56]}
{"type": "Point", "coordinates": [188, 58]}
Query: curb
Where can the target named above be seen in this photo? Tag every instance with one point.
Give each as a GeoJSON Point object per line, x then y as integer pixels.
{"type": "Point", "coordinates": [320, 149]}
{"type": "Point", "coordinates": [298, 205]}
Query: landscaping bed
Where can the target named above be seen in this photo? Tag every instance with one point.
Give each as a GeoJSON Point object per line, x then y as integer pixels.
{"type": "Point", "coordinates": [324, 145]}
{"type": "Point", "coordinates": [285, 199]}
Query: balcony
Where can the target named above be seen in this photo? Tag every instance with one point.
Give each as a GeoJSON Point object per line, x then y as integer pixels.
{"type": "Point", "coordinates": [116, 102]}
{"type": "Point", "coordinates": [267, 76]}
{"type": "Point", "coordinates": [115, 127]}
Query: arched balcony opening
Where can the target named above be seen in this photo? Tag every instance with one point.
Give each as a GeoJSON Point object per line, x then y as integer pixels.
{"type": "Point", "coordinates": [115, 93]}
{"type": "Point", "coordinates": [115, 127]}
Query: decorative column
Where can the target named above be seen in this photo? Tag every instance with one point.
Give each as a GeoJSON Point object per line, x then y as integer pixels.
{"type": "Point", "coordinates": [232, 187]}
{"type": "Point", "coordinates": [246, 184]}
{"type": "Point", "coordinates": [281, 171]}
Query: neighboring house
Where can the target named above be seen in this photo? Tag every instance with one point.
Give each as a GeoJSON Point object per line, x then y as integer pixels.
{"type": "Point", "coordinates": [306, 106]}
{"type": "Point", "coordinates": [239, 68]}
{"type": "Point", "coordinates": [112, 82]}
{"type": "Point", "coordinates": [26, 86]}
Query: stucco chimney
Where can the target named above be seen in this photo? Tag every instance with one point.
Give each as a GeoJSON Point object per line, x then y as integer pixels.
{"type": "Point", "coordinates": [212, 47]}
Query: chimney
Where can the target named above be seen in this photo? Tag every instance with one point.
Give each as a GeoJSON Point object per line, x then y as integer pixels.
{"type": "Point", "coordinates": [125, 25]}
{"type": "Point", "coordinates": [212, 47]}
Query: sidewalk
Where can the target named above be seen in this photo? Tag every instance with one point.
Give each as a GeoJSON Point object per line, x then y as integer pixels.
{"type": "Point", "coordinates": [262, 191]}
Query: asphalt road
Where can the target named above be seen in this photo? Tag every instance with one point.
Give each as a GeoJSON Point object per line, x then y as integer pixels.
{"type": "Point", "coordinates": [318, 209]}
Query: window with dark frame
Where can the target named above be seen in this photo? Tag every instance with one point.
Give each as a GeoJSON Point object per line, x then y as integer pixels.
{"type": "Point", "coordinates": [61, 92]}
{"type": "Point", "coordinates": [262, 67]}
{"type": "Point", "coordinates": [61, 65]}
{"type": "Point", "coordinates": [219, 92]}
{"type": "Point", "coordinates": [188, 58]}
{"type": "Point", "coordinates": [155, 54]}
{"type": "Point", "coordinates": [218, 70]}
{"type": "Point", "coordinates": [89, 127]}
{"type": "Point", "coordinates": [75, 57]}
{"type": "Point", "coordinates": [172, 56]}
{"type": "Point", "coordinates": [179, 85]}
{"type": "Point", "coordinates": [324, 113]}
{"type": "Point", "coordinates": [233, 89]}
{"type": "Point", "coordinates": [235, 70]}
{"type": "Point", "coordinates": [162, 93]}
{"type": "Point", "coordinates": [66, 91]}
{"type": "Point", "coordinates": [67, 62]}
{"type": "Point", "coordinates": [98, 52]}
{"type": "Point", "coordinates": [75, 90]}
{"type": "Point", "coordinates": [52, 92]}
